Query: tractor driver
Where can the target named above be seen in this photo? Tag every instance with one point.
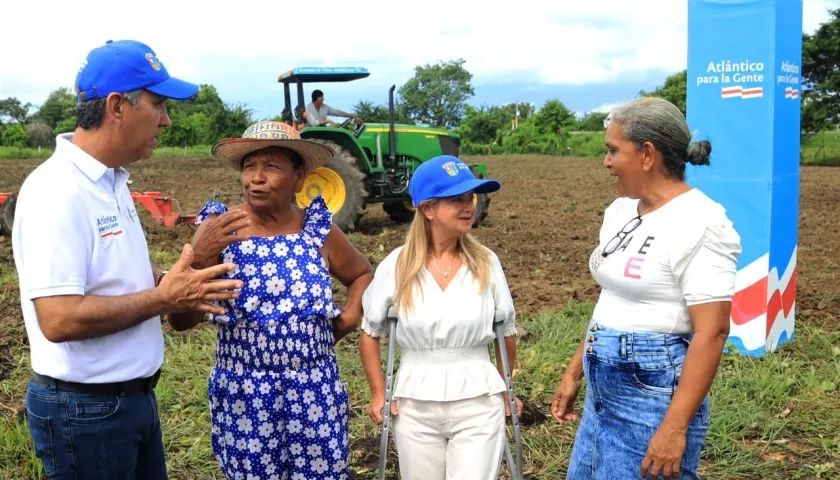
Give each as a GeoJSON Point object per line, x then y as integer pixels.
{"type": "Point", "coordinates": [317, 112]}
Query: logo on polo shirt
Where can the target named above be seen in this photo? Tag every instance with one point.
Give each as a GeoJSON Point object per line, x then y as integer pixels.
{"type": "Point", "coordinates": [108, 226]}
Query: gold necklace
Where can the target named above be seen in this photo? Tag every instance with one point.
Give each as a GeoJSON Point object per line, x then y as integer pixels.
{"type": "Point", "coordinates": [446, 273]}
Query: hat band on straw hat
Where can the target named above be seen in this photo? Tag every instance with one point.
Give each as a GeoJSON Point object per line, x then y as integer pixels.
{"type": "Point", "coordinates": [271, 134]}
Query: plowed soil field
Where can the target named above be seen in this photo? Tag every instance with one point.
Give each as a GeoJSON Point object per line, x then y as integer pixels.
{"type": "Point", "coordinates": [542, 224]}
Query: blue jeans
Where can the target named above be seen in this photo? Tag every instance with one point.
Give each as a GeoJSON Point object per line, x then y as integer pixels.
{"type": "Point", "coordinates": [95, 437]}
{"type": "Point", "coordinates": [631, 378]}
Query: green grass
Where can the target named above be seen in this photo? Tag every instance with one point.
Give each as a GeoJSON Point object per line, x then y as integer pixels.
{"type": "Point", "coordinates": [823, 148]}
{"type": "Point", "coordinates": [749, 439]}
{"type": "Point", "coordinates": [14, 153]}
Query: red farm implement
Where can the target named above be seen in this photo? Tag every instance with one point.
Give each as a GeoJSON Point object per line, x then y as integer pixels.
{"type": "Point", "coordinates": [159, 206]}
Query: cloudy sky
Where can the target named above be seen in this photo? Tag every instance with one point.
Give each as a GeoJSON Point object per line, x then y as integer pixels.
{"type": "Point", "coordinates": [589, 54]}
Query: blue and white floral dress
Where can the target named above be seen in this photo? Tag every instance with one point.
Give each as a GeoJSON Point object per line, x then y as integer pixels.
{"type": "Point", "coordinates": [278, 407]}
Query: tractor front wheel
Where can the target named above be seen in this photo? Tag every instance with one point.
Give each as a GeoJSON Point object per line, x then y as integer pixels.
{"type": "Point", "coordinates": [482, 206]}
{"type": "Point", "coordinates": [399, 212]}
{"type": "Point", "coordinates": [7, 214]}
{"type": "Point", "coordinates": [342, 186]}
{"type": "Point", "coordinates": [403, 212]}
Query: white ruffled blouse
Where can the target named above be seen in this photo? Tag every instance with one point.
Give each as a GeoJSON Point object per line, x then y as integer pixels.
{"type": "Point", "coordinates": [443, 343]}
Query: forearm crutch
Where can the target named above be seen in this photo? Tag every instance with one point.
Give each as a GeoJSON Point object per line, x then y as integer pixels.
{"type": "Point", "coordinates": [389, 377]}
{"type": "Point", "coordinates": [498, 327]}
{"type": "Point", "coordinates": [514, 472]}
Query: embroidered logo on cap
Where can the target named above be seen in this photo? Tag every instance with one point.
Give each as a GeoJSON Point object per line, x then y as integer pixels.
{"type": "Point", "coordinates": [450, 169]}
{"type": "Point", "coordinates": [153, 61]}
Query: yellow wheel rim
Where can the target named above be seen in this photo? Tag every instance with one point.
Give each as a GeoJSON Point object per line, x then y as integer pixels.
{"type": "Point", "coordinates": [325, 182]}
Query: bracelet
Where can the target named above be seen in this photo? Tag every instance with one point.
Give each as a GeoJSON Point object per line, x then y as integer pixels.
{"type": "Point", "coordinates": [160, 276]}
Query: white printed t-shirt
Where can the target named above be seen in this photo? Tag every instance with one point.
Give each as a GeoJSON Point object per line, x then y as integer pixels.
{"type": "Point", "coordinates": [443, 342]}
{"type": "Point", "coordinates": [683, 253]}
{"type": "Point", "coordinates": [76, 232]}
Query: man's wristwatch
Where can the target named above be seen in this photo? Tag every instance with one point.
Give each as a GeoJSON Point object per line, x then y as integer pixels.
{"type": "Point", "coordinates": [160, 276]}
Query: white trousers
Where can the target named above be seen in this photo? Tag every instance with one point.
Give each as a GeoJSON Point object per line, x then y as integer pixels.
{"type": "Point", "coordinates": [458, 440]}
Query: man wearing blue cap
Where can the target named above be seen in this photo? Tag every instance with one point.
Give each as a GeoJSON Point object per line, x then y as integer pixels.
{"type": "Point", "coordinates": [90, 297]}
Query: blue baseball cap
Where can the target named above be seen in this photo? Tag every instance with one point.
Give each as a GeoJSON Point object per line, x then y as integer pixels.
{"type": "Point", "coordinates": [446, 176]}
{"type": "Point", "coordinates": [125, 65]}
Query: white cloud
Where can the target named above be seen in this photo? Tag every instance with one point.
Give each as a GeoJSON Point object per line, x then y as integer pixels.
{"type": "Point", "coordinates": [607, 107]}
{"type": "Point", "coordinates": [543, 42]}
{"type": "Point", "coordinates": [603, 108]}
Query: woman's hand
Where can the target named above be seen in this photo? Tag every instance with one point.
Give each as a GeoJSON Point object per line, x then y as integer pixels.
{"type": "Point", "coordinates": [376, 408]}
{"type": "Point", "coordinates": [710, 322]}
{"type": "Point", "coordinates": [518, 405]}
{"type": "Point", "coordinates": [563, 402]}
{"type": "Point", "coordinates": [664, 453]}
{"type": "Point", "coordinates": [216, 233]}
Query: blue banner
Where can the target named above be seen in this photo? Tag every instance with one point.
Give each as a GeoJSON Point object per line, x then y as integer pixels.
{"type": "Point", "coordinates": [744, 65]}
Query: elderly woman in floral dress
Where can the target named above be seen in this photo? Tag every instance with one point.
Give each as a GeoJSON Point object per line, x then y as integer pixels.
{"type": "Point", "coordinates": [278, 406]}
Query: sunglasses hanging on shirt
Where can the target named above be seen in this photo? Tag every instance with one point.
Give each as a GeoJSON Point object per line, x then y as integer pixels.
{"type": "Point", "coordinates": [598, 256]}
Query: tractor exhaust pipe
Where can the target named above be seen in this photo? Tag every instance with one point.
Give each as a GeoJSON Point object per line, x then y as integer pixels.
{"type": "Point", "coordinates": [392, 134]}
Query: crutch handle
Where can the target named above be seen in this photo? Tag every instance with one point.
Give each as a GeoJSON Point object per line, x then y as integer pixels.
{"type": "Point", "coordinates": [498, 318]}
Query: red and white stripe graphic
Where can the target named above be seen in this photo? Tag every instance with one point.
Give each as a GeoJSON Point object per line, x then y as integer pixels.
{"type": "Point", "coordinates": [741, 92]}
{"type": "Point", "coordinates": [781, 302]}
{"type": "Point", "coordinates": [764, 303]}
{"type": "Point", "coordinates": [791, 92]}
{"type": "Point", "coordinates": [749, 305]}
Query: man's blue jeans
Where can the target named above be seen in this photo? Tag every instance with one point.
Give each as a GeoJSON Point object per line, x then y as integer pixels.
{"type": "Point", "coordinates": [95, 437]}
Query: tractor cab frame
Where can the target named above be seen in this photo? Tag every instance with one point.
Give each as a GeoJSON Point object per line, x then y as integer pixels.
{"type": "Point", "coordinates": [301, 75]}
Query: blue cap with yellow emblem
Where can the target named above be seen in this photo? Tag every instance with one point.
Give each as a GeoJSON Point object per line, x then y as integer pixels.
{"type": "Point", "coordinates": [125, 65]}
{"type": "Point", "coordinates": [446, 176]}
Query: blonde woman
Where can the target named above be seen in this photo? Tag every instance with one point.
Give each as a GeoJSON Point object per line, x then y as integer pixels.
{"type": "Point", "coordinates": [449, 402]}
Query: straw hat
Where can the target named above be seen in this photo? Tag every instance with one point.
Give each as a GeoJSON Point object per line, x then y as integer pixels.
{"type": "Point", "coordinates": [271, 134]}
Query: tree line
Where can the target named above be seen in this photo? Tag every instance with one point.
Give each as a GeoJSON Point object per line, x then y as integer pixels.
{"type": "Point", "coordinates": [438, 95]}
{"type": "Point", "coordinates": [198, 121]}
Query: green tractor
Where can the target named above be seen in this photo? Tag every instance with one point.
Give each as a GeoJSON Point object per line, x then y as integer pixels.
{"type": "Point", "coordinates": [373, 162]}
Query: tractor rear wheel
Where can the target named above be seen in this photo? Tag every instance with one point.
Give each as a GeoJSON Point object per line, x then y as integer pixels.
{"type": "Point", "coordinates": [341, 184]}
{"type": "Point", "coordinates": [7, 214]}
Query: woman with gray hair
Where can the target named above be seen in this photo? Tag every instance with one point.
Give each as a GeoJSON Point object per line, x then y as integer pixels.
{"type": "Point", "coordinates": [666, 263]}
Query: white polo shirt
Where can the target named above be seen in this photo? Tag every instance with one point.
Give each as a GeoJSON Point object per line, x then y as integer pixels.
{"type": "Point", "coordinates": [76, 232]}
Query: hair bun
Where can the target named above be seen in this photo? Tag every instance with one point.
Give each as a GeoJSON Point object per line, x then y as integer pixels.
{"type": "Point", "coordinates": [699, 152]}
